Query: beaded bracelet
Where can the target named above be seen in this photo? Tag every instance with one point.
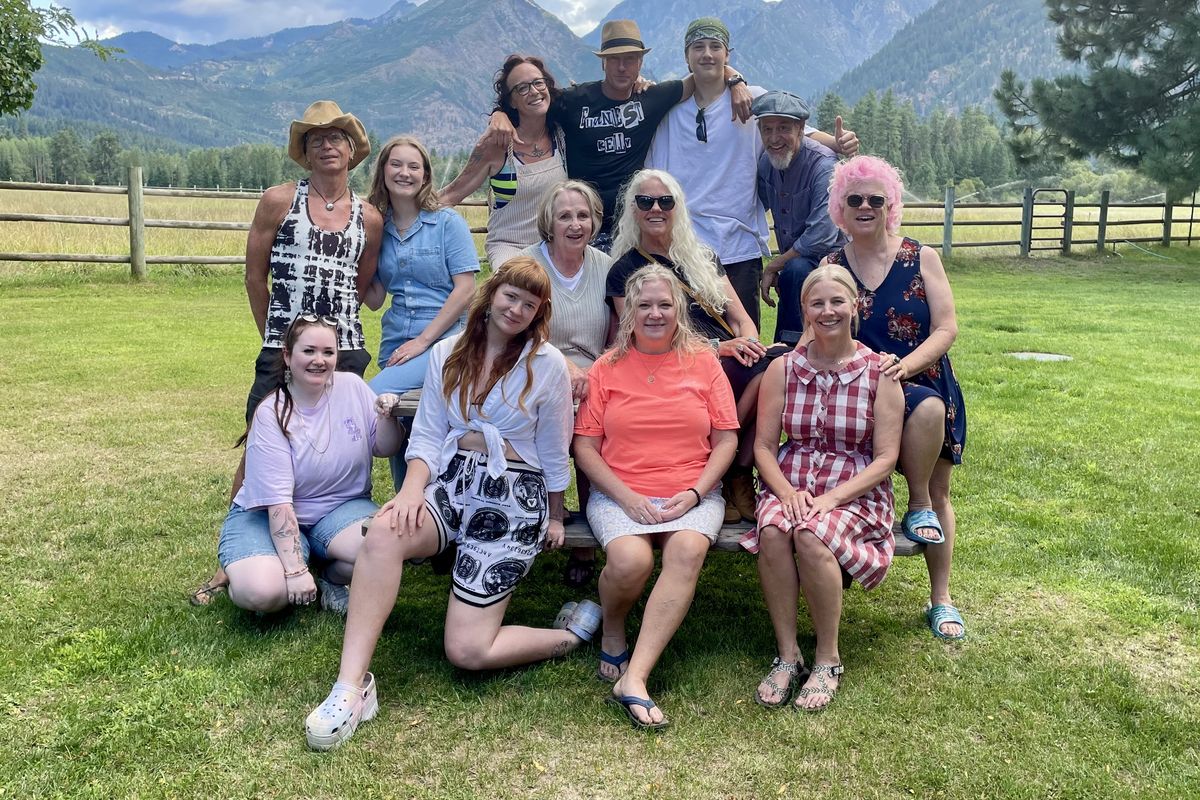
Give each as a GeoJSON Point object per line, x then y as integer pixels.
{"type": "Point", "coordinates": [693, 491]}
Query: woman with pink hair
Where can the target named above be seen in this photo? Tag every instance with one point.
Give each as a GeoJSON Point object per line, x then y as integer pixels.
{"type": "Point", "coordinates": [906, 314]}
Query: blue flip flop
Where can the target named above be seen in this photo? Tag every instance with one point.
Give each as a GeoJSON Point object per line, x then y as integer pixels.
{"type": "Point", "coordinates": [920, 518]}
{"type": "Point", "coordinates": [627, 701]}
{"type": "Point", "coordinates": [939, 615]}
{"type": "Point", "coordinates": [617, 661]}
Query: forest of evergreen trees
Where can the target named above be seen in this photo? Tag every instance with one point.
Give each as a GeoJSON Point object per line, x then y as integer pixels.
{"type": "Point", "coordinates": [965, 150]}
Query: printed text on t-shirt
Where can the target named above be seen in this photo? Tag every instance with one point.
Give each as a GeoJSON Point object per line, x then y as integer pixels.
{"type": "Point", "coordinates": [627, 116]}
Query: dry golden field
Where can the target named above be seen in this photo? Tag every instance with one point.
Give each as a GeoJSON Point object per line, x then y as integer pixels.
{"type": "Point", "coordinates": [996, 224]}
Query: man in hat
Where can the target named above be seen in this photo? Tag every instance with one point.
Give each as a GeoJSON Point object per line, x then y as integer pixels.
{"type": "Point", "coordinates": [313, 244]}
{"type": "Point", "coordinates": [312, 248]}
{"type": "Point", "coordinates": [608, 124]}
{"type": "Point", "coordinates": [793, 182]}
{"type": "Point", "coordinates": [715, 158]}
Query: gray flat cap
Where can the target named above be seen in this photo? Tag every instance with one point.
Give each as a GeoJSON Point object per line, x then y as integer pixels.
{"type": "Point", "coordinates": [780, 104]}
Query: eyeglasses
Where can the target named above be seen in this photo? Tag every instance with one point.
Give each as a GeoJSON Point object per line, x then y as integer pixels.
{"type": "Point", "coordinates": [701, 127]}
{"type": "Point", "coordinates": [645, 202]}
{"type": "Point", "coordinates": [528, 86]}
{"type": "Point", "coordinates": [313, 319]}
{"type": "Point", "coordinates": [874, 201]}
{"type": "Point", "coordinates": [319, 139]}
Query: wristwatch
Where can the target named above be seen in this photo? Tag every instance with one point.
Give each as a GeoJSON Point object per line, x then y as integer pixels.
{"type": "Point", "coordinates": [734, 81]}
{"type": "Point", "coordinates": [714, 343]}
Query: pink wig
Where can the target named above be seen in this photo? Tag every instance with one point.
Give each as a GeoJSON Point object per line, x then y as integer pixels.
{"type": "Point", "coordinates": [866, 168]}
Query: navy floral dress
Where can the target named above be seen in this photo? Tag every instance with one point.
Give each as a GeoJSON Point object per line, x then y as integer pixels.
{"type": "Point", "coordinates": [895, 318]}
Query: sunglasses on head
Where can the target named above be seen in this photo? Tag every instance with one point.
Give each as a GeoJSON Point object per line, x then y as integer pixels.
{"type": "Point", "coordinates": [645, 202]}
{"type": "Point", "coordinates": [323, 319]}
{"type": "Point", "coordinates": [874, 201]}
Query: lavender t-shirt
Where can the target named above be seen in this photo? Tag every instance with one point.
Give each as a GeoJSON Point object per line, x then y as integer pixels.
{"type": "Point", "coordinates": [325, 462]}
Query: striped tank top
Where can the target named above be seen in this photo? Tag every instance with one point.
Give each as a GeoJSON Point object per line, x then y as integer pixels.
{"type": "Point", "coordinates": [515, 192]}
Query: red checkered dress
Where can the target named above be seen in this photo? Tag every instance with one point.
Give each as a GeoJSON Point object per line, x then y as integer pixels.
{"type": "Point", "coordinates": [829, 422]}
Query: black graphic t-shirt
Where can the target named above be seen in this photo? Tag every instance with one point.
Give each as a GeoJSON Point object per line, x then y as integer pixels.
{"type": "Point", "coordinates": [607, 140]}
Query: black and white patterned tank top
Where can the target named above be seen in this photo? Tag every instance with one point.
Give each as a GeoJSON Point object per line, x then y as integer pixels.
{"type": "Point", "coordinates": [314, 271]}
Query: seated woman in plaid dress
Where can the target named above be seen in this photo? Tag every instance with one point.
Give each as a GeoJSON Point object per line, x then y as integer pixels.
{"type": "Point", "coordinates": [825, 511]}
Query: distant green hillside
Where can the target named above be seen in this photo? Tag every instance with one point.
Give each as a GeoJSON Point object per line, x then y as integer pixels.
{"type": "Point", "coordinates": [429, 73]}
{"type": "Point", "coordinates": [952, 55]}
{"type": "Point", "coordinates": [428, 69]}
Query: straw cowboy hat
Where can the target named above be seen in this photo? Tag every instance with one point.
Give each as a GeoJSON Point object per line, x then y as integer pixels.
{"type": "Point", "coordinates": [327, 114]}
{"type": "Point", "coordinates": [620, 36]}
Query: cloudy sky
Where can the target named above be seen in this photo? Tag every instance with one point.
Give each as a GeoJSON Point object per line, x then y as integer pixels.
{"type": "Point", "coordinates": [208, 21]}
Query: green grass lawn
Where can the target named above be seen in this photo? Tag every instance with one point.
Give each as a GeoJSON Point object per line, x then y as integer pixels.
{"type": "Point", "coordinates": [1078, 570]}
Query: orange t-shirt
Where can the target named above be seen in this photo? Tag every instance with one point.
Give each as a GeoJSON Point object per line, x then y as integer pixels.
{"type": "Point", "coordinates": [654, 434]}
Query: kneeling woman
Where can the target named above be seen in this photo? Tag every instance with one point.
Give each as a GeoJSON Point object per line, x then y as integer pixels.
{"type": "Point", "coordinates": [308, 476]}
{"type": "Point", "coordinates": [655, 434]}
{"type": "Point", "coordinates": [826, 508]}
{"type": "Point", "coordinates": [487, 467]}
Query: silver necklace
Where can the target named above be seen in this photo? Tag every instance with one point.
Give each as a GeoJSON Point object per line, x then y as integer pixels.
{"type": "Point", "coordinates": [329, 204]}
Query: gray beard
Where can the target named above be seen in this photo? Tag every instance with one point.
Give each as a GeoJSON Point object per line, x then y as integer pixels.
{"type": "Point", "coordinates": [781, 162]}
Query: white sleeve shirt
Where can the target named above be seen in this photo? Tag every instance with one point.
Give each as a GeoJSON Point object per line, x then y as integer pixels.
{"type": "Point", "coordinates": [540, 434]}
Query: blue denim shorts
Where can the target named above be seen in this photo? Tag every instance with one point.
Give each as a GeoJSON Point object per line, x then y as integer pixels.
{"type": "Point", "coordinates": [246, 532]}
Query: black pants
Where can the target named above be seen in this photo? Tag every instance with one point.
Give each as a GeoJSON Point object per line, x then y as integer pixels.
{"type": "Point", "coordinates": [746, 277]}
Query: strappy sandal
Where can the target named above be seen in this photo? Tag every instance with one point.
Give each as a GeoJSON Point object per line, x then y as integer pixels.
{"type": "Point", "coordinates": [206, 592]}
{"type": "Point", "coordinates": [796, 672]}
{"type": "Point", "coordinates": [819, 671]}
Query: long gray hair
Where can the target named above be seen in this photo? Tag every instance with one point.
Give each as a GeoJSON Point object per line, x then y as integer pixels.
{"type": "Point", "coordinates": [694, 259]}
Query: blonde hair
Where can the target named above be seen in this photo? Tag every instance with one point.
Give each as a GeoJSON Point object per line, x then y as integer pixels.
{"type": "Point", "coordinates": [695, 260]}
{"type": "Point", "coordinates": [684, 340]}
{"type": "Point", "coordinates": [838, 274]}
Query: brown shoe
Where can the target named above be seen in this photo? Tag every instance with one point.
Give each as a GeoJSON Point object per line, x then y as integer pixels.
{"type": "Point", "coordinates": [732, 515]}
{"type": "Point", "coordinates": [741, 491]}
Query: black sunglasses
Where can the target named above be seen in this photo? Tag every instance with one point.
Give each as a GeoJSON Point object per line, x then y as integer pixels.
{"type": "Point", "coordinates": [645, 202]}
{"type": "Point", "coordinates": [701, 127]}
{"type": "Point", "coordinates": [324, 319]}
{"type": "Point", "coordinates": [874, 201]}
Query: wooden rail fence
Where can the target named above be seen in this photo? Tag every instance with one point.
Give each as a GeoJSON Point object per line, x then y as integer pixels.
{"type": "Point", "coordinates": [1033, 233]}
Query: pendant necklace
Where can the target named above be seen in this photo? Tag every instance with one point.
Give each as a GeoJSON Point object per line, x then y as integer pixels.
{"type": "Point", "coordinates": [536, 151]}
{"type": "Point", "coordinates": [650, 372]}
{"type": "Point", "coordinates": [329, 204]}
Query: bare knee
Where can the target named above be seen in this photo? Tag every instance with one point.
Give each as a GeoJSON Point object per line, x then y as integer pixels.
{"type": "Point", "coordinates": [773, 542]}
{"type": "Point", "coordinates": [929, 415]}
{"type": "Point", "coordinates": [685, 555]}
{"type": "Point", "coordinates": [628, 569]}
{"type": "Point", "coordinates": [383, 545]}
{"type": "Point", "coordinates": [466, 653]}
{"type": "Point", "coordinates": [811, 549]}
{"type": "Point", "coordinates": [258, 593]}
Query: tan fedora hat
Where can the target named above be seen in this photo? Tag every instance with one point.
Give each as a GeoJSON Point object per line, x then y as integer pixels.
{"type": "Point", "coordinates": [327, 114]}
{"type": "Point", "coordinates": [620, 36]}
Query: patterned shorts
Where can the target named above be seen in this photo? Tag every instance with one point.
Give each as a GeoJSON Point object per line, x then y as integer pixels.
{"type": "Point", "coordinates": [498, 523]}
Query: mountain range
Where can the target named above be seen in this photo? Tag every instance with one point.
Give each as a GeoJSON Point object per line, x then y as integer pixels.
{"type": "Point", "coordinates": [428, 69]}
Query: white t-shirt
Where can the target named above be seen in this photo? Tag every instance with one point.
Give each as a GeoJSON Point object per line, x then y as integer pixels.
{"type": "Point", "coordinates": [719, 176]}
